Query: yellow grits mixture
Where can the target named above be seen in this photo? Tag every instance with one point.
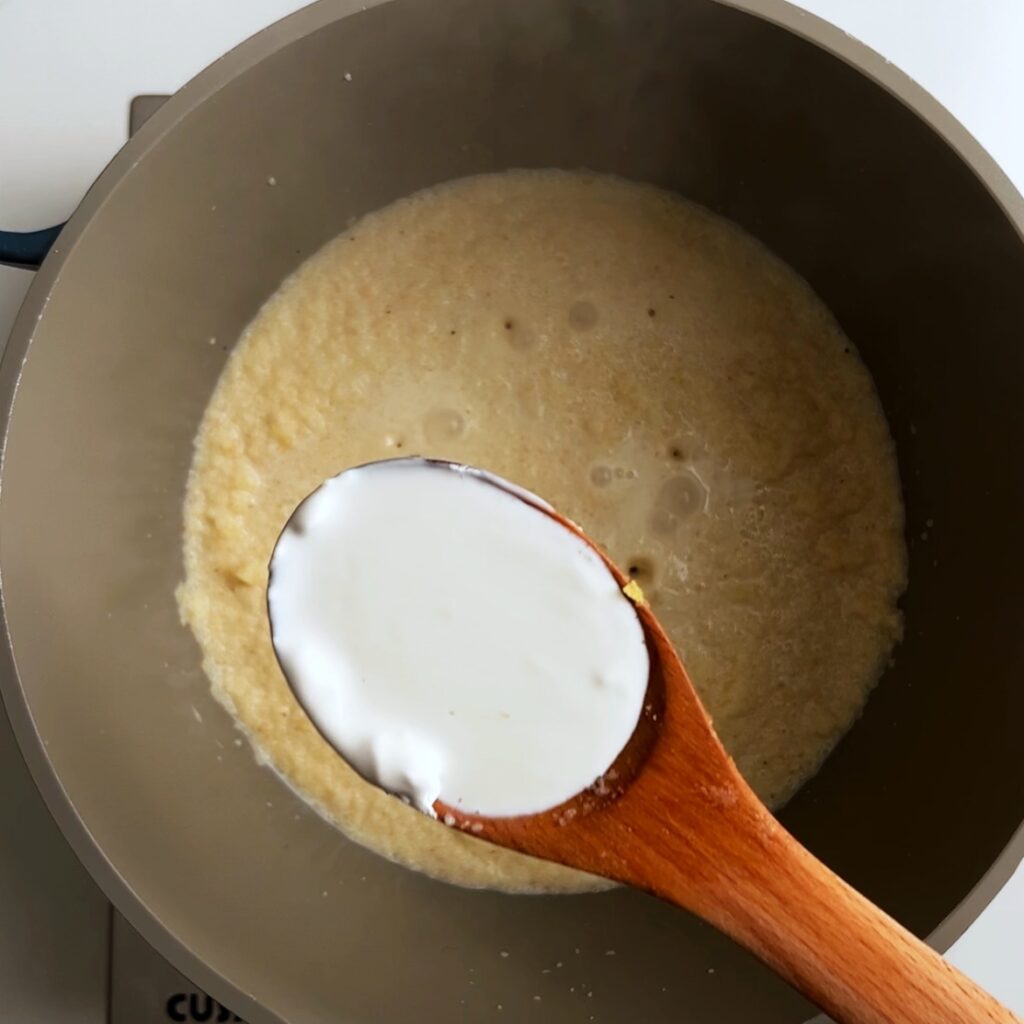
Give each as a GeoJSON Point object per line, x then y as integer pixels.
{"type": "Point", "coordinates": [647, 367]}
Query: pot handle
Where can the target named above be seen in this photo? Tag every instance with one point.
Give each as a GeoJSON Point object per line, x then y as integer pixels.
{"type": "Point", "coordinates": [27, 249]}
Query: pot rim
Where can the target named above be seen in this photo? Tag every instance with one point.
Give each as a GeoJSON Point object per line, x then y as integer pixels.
{"type": "Point", "coordinates": [210, 81]}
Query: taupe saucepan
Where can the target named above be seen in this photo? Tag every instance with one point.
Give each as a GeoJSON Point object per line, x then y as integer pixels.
{"type": "Point", "coordinates": [811, 142]}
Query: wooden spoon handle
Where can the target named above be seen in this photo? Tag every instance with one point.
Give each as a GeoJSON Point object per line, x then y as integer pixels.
{"type": "Point", "coordinates": [836, 947]}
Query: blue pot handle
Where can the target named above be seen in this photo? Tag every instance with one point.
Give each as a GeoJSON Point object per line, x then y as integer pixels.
{"type": "Point", "coordinates": [27, 248]}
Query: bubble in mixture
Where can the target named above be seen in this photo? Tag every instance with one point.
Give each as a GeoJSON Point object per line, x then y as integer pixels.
{"type": "Point", "coordinates": [518, 335]}
{"type": "Point", "coordinates": [640, 568]}
{"type": "Point", "coordinates": [678, 499]}
{"type": "Point", "coordinates": [601, 476]}
{"type": "Point", "coordinates": [441, 425]}
{"type": "Point", "coordinates": [582, 315]}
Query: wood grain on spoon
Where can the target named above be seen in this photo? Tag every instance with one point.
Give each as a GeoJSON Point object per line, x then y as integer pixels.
{"type": "Point", "coordinates": [674, 817]}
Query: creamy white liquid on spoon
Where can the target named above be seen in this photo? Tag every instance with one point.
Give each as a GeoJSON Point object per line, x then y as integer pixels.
{"type": "Point", "coordinates": [453, 641]}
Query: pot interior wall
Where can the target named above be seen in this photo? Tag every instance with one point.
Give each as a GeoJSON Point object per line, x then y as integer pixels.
{"type": "Point", "coordinates": [833, 173]}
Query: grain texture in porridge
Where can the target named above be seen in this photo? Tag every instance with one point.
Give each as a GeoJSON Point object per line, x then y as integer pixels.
{"type": "Point", "coordinates": [647, 367]}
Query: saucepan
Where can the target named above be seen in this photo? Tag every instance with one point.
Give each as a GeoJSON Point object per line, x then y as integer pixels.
{"type": "Point", "coordinates": [811, 142]}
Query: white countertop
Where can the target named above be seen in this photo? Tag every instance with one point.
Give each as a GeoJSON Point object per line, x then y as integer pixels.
{"type": "Point", "coordinates": [67, 70]}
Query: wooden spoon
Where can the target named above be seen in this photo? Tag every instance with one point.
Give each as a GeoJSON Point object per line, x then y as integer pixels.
{"type": "Point", "coordinates": [674, 817]}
